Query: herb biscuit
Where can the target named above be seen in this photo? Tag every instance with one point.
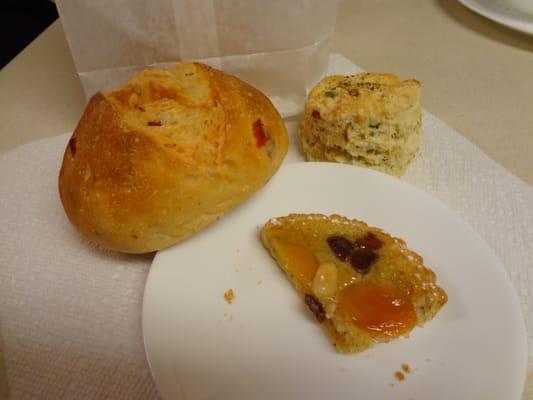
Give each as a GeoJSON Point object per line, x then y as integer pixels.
{"type": "Point", "coordinates": [369, 119]}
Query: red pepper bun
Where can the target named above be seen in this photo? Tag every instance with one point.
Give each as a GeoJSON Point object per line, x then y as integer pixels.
{"type": "Point", "coordinates": [158, 159]}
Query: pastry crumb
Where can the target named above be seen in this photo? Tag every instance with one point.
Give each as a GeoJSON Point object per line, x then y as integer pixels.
{"type": "Point", "coordinates": [406, 368]}
{"type": "Point", "coordinates": [229, 296]}
{"type": "Point", "coordinates": [400, 377]}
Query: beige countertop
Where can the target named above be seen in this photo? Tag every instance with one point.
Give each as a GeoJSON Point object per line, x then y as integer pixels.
{"type": "Point", "coordinates": [477, 76]}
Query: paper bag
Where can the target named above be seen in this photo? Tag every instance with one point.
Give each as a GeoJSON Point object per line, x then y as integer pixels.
{"type": "Point", "coordinates": [279, 46]}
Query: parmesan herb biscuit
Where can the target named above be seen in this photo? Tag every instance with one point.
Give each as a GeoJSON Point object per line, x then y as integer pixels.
{"type": "Point", "coordinates": [372, 120]}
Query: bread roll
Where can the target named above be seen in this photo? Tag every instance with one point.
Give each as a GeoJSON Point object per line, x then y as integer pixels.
{"type": "Point", "coordinates": [152, 162]}
{"type": "Point", "coordinates": [372, 120]}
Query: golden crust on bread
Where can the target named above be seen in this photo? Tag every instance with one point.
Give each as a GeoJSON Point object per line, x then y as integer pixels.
{"type": "Point", "coordinates": [362, 284]}
{"type": "Point", "coordinates": [369, 119]}
{"type": "Point", "coordinates": [158, 159]}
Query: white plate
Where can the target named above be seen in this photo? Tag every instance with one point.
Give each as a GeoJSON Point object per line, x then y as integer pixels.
{"type": "Point", "coordinates": [515, 14]}
{"type": "Point", "coordinates": [266, 346]}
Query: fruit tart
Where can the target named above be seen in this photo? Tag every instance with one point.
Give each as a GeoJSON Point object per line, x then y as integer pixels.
{"type": "Point", "coordinates": [363, 285]}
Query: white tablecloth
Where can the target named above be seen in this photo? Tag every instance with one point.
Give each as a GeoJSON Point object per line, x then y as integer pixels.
{"type": "Point", "coordinates": [71, 313]}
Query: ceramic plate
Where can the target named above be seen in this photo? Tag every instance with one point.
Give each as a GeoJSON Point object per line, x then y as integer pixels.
{"type": "Point", "coordinates": [265, 345]}
{"type": "Point", "coordinates": [515, 14]}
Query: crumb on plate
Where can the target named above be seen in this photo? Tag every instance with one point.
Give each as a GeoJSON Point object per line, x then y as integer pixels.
{"type": "Point", "coordinates": [229, 296]}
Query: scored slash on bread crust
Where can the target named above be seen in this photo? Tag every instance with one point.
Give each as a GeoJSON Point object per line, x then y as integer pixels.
{"type": "Point", "coordinates": [362, 284]}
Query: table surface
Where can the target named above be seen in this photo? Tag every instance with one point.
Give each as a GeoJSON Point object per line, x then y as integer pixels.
{"type": "Point", "coordinates": [476, 75]}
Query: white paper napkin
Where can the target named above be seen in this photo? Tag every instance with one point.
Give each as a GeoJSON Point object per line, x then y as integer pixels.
{"type": "Point", "coordinates": [71, 313]}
